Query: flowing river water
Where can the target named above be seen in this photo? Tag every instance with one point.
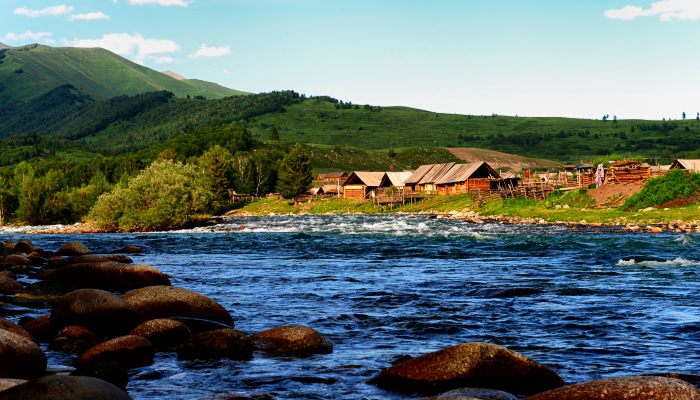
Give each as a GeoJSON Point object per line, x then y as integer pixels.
{"type": "Point", "coordinates": [592, 304]}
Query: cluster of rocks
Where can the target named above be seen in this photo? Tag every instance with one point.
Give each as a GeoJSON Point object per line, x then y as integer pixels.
{"type": "Point", "coordinates": [473, 371]}
{"type": "Point", "coordinates": [112, 315]}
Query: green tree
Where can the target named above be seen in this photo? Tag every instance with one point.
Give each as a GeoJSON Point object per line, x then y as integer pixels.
{"type": "Point", "coordinates": [265, 165]}
{"type": "Point", "coordinates": [166, 195]}
{"type": "Point", "coordinates": [294, 176]}
{"type": "Point", "coordinates": [217, 167]}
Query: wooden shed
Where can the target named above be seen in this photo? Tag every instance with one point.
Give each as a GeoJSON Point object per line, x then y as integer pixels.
{"type": "Point", "coordinates": [627, 171]}
{"type": "Point", "coordinates": [463, 178]}
{"type": "Point", "coordinates": [398, 179]}
{"type": "Point", "coordinates": [690, 165]}
{"type": "Point", "coordinates": [361, 185]}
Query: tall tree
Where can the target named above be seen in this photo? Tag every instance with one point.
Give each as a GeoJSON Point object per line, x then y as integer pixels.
{"type": "Point", "coordinates": [217, 166]}
{"type": "Point", "coordinates": [295, 173]}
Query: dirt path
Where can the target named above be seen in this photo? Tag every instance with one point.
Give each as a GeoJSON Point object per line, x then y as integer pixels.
{"type": "Point", "coordinates": [615, 194]}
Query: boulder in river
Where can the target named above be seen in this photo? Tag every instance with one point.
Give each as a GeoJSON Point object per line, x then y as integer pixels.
{"type": "Point", "coordinates": [96, 309]}
{"type": "Point", "coordinates": [474, 394]}
{"type": "Point", "coordinates": [292, 340]}
{"type": "Point", "coordinates": [24, 246]}
{"type": "Point", "coordinates": [473, 364]}
{"type": "Point", "coordinates": [106, 275]}
{"type": "Point", "coordinates": [6, 383]}
{"type": "Point", "coordinates": [17, 260]}
{"type": "Point", "coordinates": [129, 351]}
{"type": "Point", "coordinates": [39, 328]}
{"type": "Point", "coordinates": [98, 258]}
{"type": "Point", "coordinates": [9, 285]}
{"type": "Point", "coordinates": [20, 357]}
{"type": "Point", "coordinates": [220, 343]}
{"type": "Point", "coordinates": [170, 301]}
{"type": "Point", "coordinates": [9, 326]}
{"type": "Point", "coordinates": [163, 333]}
{"type": "Point", "coordinates": [74, 338]}
{"type": "Point", "coordinates": [131, 249]}
{"type": "Point", "coordinates": [65, 387]}
{"type": "Point", "coordinates": [74, 249]}
{"type": "Point", "coordinates": [624, 387]}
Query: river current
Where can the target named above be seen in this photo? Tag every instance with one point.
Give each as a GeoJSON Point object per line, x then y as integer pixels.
{"type": "Point", "coordinates": [593, 304]}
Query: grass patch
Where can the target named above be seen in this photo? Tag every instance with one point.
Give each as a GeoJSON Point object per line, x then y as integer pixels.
{"type": "Point", "coordinates": [657, 191]}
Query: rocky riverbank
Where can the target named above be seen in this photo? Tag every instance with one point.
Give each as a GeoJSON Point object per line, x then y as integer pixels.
{"type": "Point", "coordinates": [110, 316]}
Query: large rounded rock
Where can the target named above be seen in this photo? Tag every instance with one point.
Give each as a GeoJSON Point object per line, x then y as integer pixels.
{"type": "Point", "coordinates": [292, 340]}
{"type": "Point", "coordinates": [131, 249]}
{"type": "Point", "coordinates": [45, 291]}
{"type": "Point", "coordinates": [96, 309]}
{"type": "Point", "coordinates": [99, 258]}
{"type": "Point", "coordinates": [6, 383]}
{"type": "Point", "coordinates": [169, 301]}
{"type": "Point", "coordinates": [9, 285]}
{"type": "Point", "coordinates": [220, 343]}
{"type": "Point", "coordinates": [106, 275]}
{"type": "Point", "coordinates": [74, 338]}
{"type": "Point", "coordinates": [163, 333]}
{"type": "Point", "coordinates": [6, 325]}
{"type": "Point", "coordinates": [130, 351]}
{"type": "Point", "coordinates": [74, 249]}
{"type": "Point", "coordinates": [24, 246]}
{"type": "Point", "coordinates": [20, 357]}
{"type": "Point", "coordinates": [624, 387]}
{"type": "Point", "coordinates": [474, 364]}
{"type": "Point", "coordinates": [474, 394]}
{"type": "Point", "coordinates": [39, 328]}
{"type": "Point", "coordinates": [17, 260]}
{"type": "Point", "coordinates": [64, 387]}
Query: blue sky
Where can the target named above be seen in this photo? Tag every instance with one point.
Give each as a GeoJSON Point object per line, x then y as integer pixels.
{"type": "Point", "coordinates": [630, 58]}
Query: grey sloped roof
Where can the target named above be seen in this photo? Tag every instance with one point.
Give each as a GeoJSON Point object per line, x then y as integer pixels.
{"type": "Point", "coordinates": [418, 174]}
{"type": "Point", "coordinates": [462, 172]}
{"type": "Point", "coordinates": [371, 179]}
{"type": "Point", "coordinates": [398, 179]}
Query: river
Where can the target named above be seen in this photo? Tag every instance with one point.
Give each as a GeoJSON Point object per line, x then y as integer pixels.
{"type": "Point", "coordinates": [597, 304]}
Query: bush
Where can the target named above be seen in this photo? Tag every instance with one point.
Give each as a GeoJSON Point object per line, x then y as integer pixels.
{"type": "Point", "coordinates": [676, 184]}
{"type": "Point", "coordinates": [166, 195]}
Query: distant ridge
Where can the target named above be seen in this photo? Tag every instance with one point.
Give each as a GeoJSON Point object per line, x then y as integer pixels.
{"type": "Point", "coordinates": [30, 71]}
{"type": "Point", "coordinates": [174, 75]}
{"type": "Point", "coordinates": [4, 46]}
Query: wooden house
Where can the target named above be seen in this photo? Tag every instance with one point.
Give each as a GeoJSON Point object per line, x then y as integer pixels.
{"type": "Point", "coordinates": [424, 177]}
{"type": "Point", "coordinates": [690, 165]}
{"type": "Point", "coordinates": [398, 179]}
{"type": "Point", "coordinates": [327, 191]}
{"type": "Point", "coordinates": [463, 178]}
{"type": "Point", "coordinates": [362, 185]}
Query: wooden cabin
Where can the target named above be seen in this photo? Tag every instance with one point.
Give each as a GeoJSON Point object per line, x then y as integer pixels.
{"type": "Point", "coordinates": [398, 179]}
{"type": "Point", "coordinates": [327, 191]}
{"type": "Point", "coordinates": [362, 185]}
{"type": "Point", "coordinates": [463, 178]}
{"type": "Point", "coordinates": [423, 179]}
{"type": "Point", "coordinates": [690, 165]}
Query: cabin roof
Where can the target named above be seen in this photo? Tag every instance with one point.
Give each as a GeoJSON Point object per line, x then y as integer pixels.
{"type": "Point", "coordinates": [398, 179]}
{"type": "Point", "coordinates": [333, 175]}
{"type": "Point", "coordinates": [370, 179]}
{"type": "Point", "coordinates": [331, 189]}
{"type": "Point", "coordinates": [462, 172]}
{"type": "Point", "coordinates": [692, 165]}
{"type": "Point", "coordinates": [429, 173]}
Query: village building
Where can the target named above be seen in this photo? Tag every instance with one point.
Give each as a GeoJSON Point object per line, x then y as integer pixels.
{"type": "Point", "coordinates": [690, 165]}
{"type": "Point", "coordinates": [451, 178]}
{"type": "Point", "coordinates": [362, 185]}
{"type": "Point", "coordinates": [626, 171]}
{"type": "Point", "coordinates": [398, 179]}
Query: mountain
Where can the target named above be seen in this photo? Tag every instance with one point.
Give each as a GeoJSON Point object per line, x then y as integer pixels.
{"type": "Point", "coordinates": [3, 46]}
{"type": "Point", "coordinates": [30, 71]}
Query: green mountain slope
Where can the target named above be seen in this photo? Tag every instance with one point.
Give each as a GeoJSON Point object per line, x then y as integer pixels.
{"type": "Point", "coordinates": [30, 71]}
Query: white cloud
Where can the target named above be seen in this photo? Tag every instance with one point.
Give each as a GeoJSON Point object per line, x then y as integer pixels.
{"type": "Point", "coordinates": [91, 16]}
{"type": "Point", "coordinates": [165, 60]}
{"type": "Point", "coordinates": [206, 51]}
{"type": "Point", "coordinates": [53, 11]}
{"type": "Point", "coordinates": [43, 37]}
{"type": "Point", "coordinates": [132, 46]}
{"type": "Point", "coordinates": [666, 10]}
{"type": "Point", "coordinates": [166, 3]}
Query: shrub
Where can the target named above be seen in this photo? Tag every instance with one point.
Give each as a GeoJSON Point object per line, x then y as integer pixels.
{"type": "Point", "coordinates": [166, 195]}
{"type": "Point", "coordinates": [676, 184]}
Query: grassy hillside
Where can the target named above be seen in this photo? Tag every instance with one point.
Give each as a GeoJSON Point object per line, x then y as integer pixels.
{"type": "Point", "coordinates": [564, 139]}
{"type": "Point", "coordinates": [29, 71]}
